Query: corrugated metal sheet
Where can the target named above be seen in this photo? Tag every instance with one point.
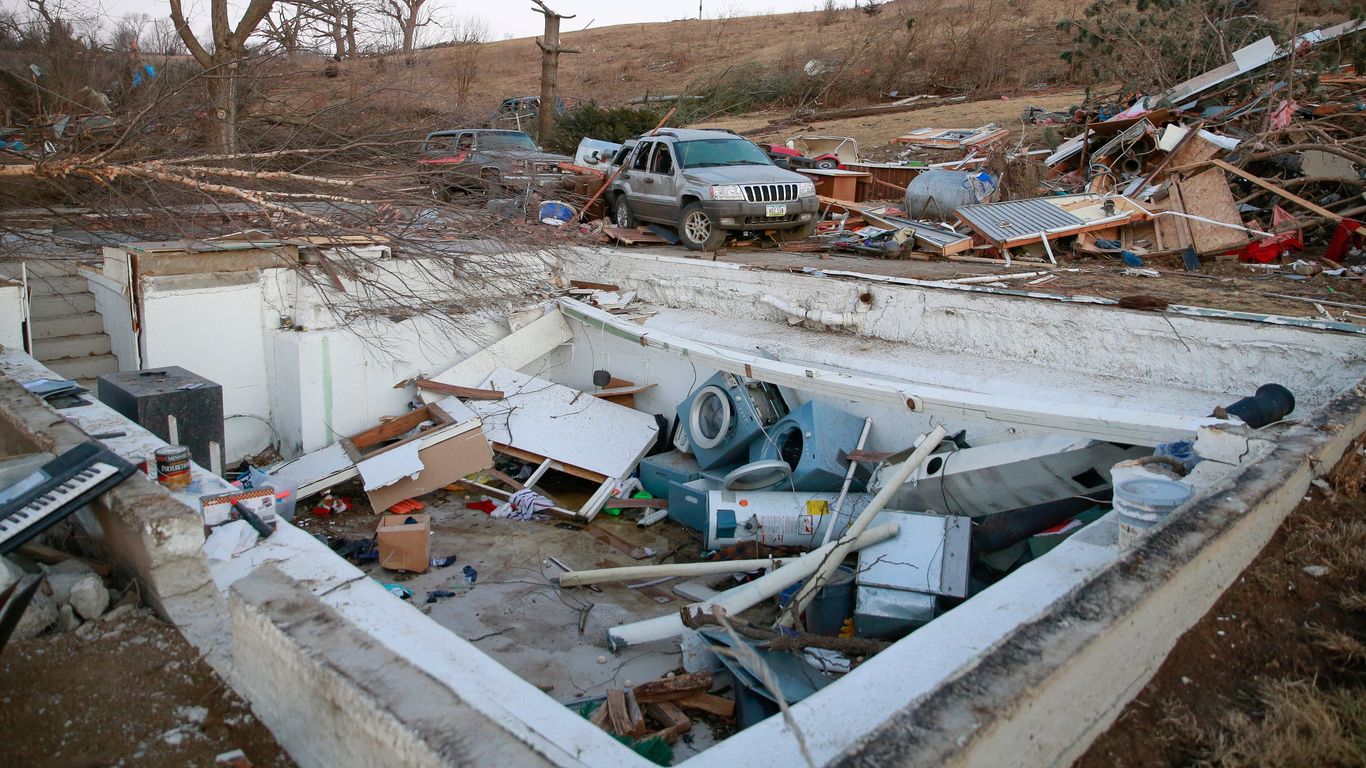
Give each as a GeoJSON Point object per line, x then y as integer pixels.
{"type": "Point", "coordinates": [1017, 218]}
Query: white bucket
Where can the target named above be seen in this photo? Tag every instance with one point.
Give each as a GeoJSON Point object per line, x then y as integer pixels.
{"type": "Point", "coordinates": [1142, 503]}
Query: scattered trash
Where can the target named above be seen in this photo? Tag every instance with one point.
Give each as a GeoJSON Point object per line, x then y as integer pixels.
{"type": "Point", "coordinates": [471, 575]}
{"type": "Point", "coordinates": [399, 591]}
{"type": "Point", "coordinates": [438, 594]}
{"type": "Point", "coordinates": [443, 562]}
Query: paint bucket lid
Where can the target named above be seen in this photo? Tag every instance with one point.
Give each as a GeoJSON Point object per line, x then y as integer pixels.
{"type": "Point", "coordinates": [1154, 492]}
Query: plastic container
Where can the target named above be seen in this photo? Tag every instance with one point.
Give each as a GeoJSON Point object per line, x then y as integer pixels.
{"type": "Point", "coordinates": [286, 494]}
{"type": "Point", "coordinates": [832, 605]}
{"type": "Point", "coordinates": [1143, 503]}
{"type": "Point", "coordinates": [555, 213]}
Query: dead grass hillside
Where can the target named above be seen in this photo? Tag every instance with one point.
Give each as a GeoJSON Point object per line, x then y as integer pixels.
{"type": "Point", "coordinates": [948, 46]}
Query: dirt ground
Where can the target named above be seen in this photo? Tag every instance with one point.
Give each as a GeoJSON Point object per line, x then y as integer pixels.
{"type": "Point", "coordinates": [1275, 673]}
{"type": "Point", "coordinates": [877, 131]}
{"type": "Point", "coordinates": [133, 693]}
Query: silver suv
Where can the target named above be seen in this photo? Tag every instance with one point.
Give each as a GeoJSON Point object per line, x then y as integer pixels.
{"type": "Point", "coordinates": [709, 183]}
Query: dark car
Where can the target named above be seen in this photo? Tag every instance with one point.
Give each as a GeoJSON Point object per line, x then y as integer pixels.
{"type": "Point", "coordinates": [490, 161]}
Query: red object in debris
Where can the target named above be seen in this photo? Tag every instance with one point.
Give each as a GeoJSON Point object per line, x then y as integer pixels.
{"type": "Point", "coordinates": [407, 506]}
{"type": "Point", "coordinates": [1348, 233]}
{"type": "Point", "coordinates": [331, 505]}
{"type": "Point", "coordinates": [484, 505]}
{"type": "Point", "coordinates": [1269, 249]}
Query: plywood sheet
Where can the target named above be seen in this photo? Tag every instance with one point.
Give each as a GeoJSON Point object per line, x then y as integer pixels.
{"type": "Point", "coordinates": [1207, 194]}
{"type": "Point", "coordinates": [566, 425]}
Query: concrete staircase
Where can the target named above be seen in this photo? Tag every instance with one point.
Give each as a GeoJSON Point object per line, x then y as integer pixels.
{"type": "Point", "coordinates": [68, 334]}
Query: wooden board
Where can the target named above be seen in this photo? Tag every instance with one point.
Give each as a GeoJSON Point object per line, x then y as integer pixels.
{"type": "Point", "coordinates": [515, 350]}
{"type": "Point", "coordinates": [1207, 194]}
{"type": "Point", "coordinates": [568, 426]}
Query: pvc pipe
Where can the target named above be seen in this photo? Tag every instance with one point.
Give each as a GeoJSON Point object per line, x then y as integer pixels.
{"type": "Point", "coordinates": [848, 479]}
{"type": "Point", "coordinates": [821, 316]}
{"type": "Point", "coordinates": [856, 528]}
{"type": "Point", "coordinates": [668, 570]}
{"type": "Point", "coordinates": [746, 595]}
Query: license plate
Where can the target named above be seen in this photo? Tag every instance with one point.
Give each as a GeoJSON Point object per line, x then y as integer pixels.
{"type": "Point", "coordinates": [775, 210]}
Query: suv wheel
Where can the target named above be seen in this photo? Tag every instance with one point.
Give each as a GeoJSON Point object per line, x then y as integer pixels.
{"type": "Point", "coordinates": [793, 235]}
{"type": "Point", "coordinates": [621, 214]}
{"type": "Point", "coordinates": [697, 230]}
{"type": "Point", "coordinates": [828, 164]}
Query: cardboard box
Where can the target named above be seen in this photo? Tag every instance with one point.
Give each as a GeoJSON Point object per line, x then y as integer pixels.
{"type": "Point", "coordinates": [453, 448]}
{"type": "Point", "coordinates": [405, 546]}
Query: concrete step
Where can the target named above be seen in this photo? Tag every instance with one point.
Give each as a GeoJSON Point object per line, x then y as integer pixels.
{"type": "Point", "coordinates": [70, 325]}
{"type": "Point", "coordinates": [62, 347]}
{"type": "Point", "coordinates": [44, 268]}
{"type": "Point", "coordinates": [57, 286]}
{"type": "Point", "coordinates": [50, 307]}
{"type": "Point", "coordinates": [81, 368]}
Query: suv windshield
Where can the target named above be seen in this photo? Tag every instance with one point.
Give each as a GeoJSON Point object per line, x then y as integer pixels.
{"type": "Point", "coordinates": [501, 142]}
{"type": "Point", "coordinates": [708, 153]}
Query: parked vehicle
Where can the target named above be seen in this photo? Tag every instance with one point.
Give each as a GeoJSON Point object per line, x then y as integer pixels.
{"type": "Point", "coordinates": [709, 184]}
{"type": "Point", "coordinates": [483, 160]}
{"type": "Point", "coordinates": [520, 112]}
{"type": "Point", "coordinates": [824, 152]}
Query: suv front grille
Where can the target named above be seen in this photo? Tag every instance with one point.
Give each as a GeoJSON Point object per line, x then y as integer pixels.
{"type": "Point", "coordinates": [770, 193]}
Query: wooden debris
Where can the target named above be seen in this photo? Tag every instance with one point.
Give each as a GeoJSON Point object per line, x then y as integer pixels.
{"type": "Point", "coordinates": [709, 703]}
{"type": "Point", "coordinates": [473, 393]}
{"type": "Point", "coordinates": [672, 688]}
{"type": "Point", "coordinates": [668, 715]}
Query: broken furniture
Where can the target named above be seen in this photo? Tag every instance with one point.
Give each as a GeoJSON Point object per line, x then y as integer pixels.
{"type": "Point", "coordinates": [835, 183]}
{"type": "Point", "coordinates": [172, 403]}
{"type": "Point", "coordinates": [953, 138]}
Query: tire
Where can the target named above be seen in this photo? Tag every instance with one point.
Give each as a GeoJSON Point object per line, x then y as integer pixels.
{"type": "Point", "coordinates": [622, 217]}
{"type": "Point", "coordinates": [697, 230]}
{"type": "Point", "coordinates": [828, 164]}
{"type": "Point", "coordinates": [793, 235]}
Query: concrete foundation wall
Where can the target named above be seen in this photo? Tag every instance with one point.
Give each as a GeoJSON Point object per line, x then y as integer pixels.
{"type": "Point", "coordinates": [13, 314]}
{"type": "Point", "coordinates": [335, 698]}
{"type": "Point", "coordinates": [1219, 356]}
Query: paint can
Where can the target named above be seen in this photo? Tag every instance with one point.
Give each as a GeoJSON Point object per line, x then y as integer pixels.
{"type": "Point", "coordinates": [173, 466]}
{"type": "Point", "coordinates": [555, 213]}
{"type": "Point", "coordinates": [1143, 503]}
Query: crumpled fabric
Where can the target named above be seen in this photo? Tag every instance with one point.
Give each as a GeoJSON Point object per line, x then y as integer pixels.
{"type": "Point", "coordinates": [522, 505]}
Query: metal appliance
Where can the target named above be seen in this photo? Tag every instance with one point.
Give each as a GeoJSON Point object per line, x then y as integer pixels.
{"type": "Point", "coordinates": [724, 415]}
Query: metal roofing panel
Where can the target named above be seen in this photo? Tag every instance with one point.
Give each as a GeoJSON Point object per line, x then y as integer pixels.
{"type": "Point", "coordinates": [1017, 218]}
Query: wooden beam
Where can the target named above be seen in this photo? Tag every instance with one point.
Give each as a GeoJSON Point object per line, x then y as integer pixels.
{"type": "Point", "coordinates": [716, 705]}
{"type": "Point", "coordinates": [392, 428]}
{"type": "Point", "coordinates": [568, 469]}
{"type": "Point", "coordinates": [671, 688]}
{"type": "Point", "coordinates": [472, 393]}
{"type": "Point", "coordinates": [619, 391]}
{"type": "Point", "coordinates": [45, 554]}
{"type": "Point", "coordinates": [1264, 184]}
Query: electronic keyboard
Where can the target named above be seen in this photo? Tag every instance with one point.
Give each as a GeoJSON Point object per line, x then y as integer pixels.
{"type": "Point", "coordinates": [57, 489]}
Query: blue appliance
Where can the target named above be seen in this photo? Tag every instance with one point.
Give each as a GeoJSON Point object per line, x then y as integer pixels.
{"type": "Point", "coordinates": [724, 415]}
{"type": "Point", "coordinates": [658, 471]}
{"type": "Point", "coordinates": [688, 501]}
{"type": "Point", "coordinates": [810, 440]}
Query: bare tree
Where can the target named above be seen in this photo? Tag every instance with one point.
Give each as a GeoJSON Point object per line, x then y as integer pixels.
{"type": "Point", "coordinates": [550, 68]}
{"type": "Point", "coordinates": [284, 27]}
{"type": "Point", "coordinates": [408, 16]}
{"type": "Point", "coordinates": [222, 60]}
{"type": "Point", "coordinates": [469, 37]}
{"type": "Point", "coordinates": [160, 38]}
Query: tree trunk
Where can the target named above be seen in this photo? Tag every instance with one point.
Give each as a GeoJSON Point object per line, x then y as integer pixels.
{"type": "Point", "coordinates": [550, 69]}
{"type": "Point", "coordinates": [409, 32]}
{"type": "Point", "coordinates": [351, 32]}
{"type": "Point", "coordinates": [223, 97]}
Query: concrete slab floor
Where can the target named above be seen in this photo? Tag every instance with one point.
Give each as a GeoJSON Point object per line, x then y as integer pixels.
{"type": "Point", "coordinates": [552, 638]}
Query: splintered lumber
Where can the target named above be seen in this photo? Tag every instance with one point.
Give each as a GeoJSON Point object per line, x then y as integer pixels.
{"type": "Point", "coordinates": [706, 702]}
{"type": "Point", "coordinates": [624, 717]}
{"type": "Point", "coordinates": [1264, 184]}
{"type": "Point", "coordinates": [671, 717]}
{"type": "Point", "coordinates": [671, 688]}
{"type": "Point", "coordinates": [473, 393]}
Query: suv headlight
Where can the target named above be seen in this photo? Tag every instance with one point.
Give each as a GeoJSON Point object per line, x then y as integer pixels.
{"type": "Point", "coordinates": [727, 192]}
{"type": "Point", "coordinates": [806, 189]}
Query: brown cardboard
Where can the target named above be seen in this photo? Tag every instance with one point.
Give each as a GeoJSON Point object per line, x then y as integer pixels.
{"type": "Point", "coordinates": [443, 464]}
{"type": "Point", "coordinates": [405, 547]}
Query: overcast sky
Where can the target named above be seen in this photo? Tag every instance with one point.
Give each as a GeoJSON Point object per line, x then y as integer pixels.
{"type": "Point", "coordinates": [504, 17]}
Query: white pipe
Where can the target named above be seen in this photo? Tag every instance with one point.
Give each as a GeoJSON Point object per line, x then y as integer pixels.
{"type": "Point", "coordinates": [856, 528]}
{"type": "Point", "coordinates": [821, 316]}
{"type": "Point", "coordinates": [848, 479]}
{"type": "Point", "coordinates": [746, 595]}
{"type": "Point", "coordinates": [629, 572]}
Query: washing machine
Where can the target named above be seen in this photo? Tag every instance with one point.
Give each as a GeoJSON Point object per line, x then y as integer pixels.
{"type": "Point", "coordinates": [724, 415]}
{"type": "Point", "coordinates": [810, 440]}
